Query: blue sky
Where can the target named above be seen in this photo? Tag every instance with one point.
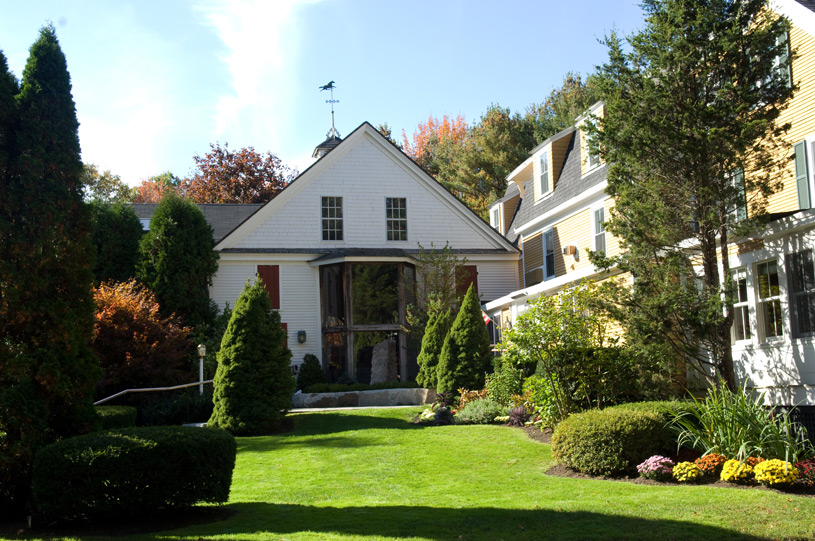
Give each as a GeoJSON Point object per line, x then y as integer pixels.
{"type": "Point", "coordinates": [156, 82]}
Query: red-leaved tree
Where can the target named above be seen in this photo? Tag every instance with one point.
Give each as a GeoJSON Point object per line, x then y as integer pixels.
{"type": "Point", "coordinates": [236, 176]}
{"type": "Point", "coordinates": [136, 345]}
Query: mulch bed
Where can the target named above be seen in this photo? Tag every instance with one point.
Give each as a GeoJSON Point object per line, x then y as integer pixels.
{"type": "Point", "coordinates": [560, 470]}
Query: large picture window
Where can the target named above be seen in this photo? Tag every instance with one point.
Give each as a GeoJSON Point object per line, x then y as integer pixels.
{"type": "Point", "coordinates": [332, 218]}
{"type": "Point", "coordinates": [769, 302]}
{"type": "Point", "coordinates": [801, 280]}
{"type": "Point", "coordinates": [396, 218]}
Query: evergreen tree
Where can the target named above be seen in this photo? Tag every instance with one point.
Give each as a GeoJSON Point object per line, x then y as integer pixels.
{"type": "Point", "coordinates": [465, 356]}
{"type": "Point", "coordinates": [116, 235]}
{"type": "Point", "coordinates": [438, 325]}
{"type": "Point", "coordinates": [253, 383]}
{"type": "Point", "coordinates": [691, 137]}
{"type": "Point", "coordinates": [178, 260]}
{"type": "Point", "coordinates": [47, 369]}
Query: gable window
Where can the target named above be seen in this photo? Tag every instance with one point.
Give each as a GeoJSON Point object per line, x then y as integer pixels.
{"type": "Point", "coordinates": [495, 217]}
{"type": "Point", "coordinates": [769, 301]}
{"type": "Point", "coordinates": [801, 273]}
{"type": "Point", "coordinates": [741, 309]}
{"type": "Point", "coordinates": [396, 218]}
{"type": "Point", "coordinates": [549, 254]}
{"type": "Point", "coordinates": [599, 230]}
{"type": "Point", "coordinates": [543, 179]}
{"type": "Point", "coordinates": [332, 218]}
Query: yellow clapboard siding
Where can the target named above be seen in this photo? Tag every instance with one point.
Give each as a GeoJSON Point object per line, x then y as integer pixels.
{"type": "Point", "coordinates": [575, 230]}
{"type": "Point", "coordinates": [533, 252]}
{"type": "Point", "coordinates": [612, 242]}
{"type": "Point", "coordinates": [615, 330]}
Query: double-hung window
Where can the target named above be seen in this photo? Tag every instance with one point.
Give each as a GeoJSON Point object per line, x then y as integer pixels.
{"type": "Point", "coordinates": [801, 285]}
{"type": "Point", "coordinates": [599, 230]}
{"type": "Point", "coordinates": [592, 157]}
{"type": "Point", "coordinates": [804, 172]}
{"type": "Point", "coordinates": [548, 254]}
{"type": "Point", "coordinates": [739, 211]}
{"type": "Point", "coordinates": [769, 301]}
{"type": "Point", "coordinates": [396, 218]}
{"type": "Point", "coordinates": [741, 308]}
{"type": "Point", "coordinates": [545, 186]}
{"type": "Point", "coordinates": [332, 218]}
{"type": "Point", "coordinates": [495, 218]}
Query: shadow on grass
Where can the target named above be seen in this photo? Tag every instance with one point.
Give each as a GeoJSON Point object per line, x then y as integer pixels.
{"type": "Point", "coordinates": [267, 519]}
{"type": "Point", "coordinates": [262, 445]}
{"type": "Point", "coordinates": [328, 423]}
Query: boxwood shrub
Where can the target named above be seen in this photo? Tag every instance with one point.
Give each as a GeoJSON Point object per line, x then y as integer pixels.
{"type": "Point", "coordinates": [607, 442]}
{"type": "Point", "coordinates": [116, 416]}
{"type": "Point", "coordinates": [480, 412]}
{"type": "Point", "coordinates": [132, 471]}
{"type": "Point", "coordinates": [666, 410]}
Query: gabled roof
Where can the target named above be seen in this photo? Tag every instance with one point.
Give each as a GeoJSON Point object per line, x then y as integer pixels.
{"type": "Point", "coordinates": [365, 130]}
{"type": "Point", "coordinates": [800, 12]}
{"type": "Point", "coordinates": [222, 217]}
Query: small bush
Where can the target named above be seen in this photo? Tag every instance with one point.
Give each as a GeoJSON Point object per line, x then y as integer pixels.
{"type": "Point", "coordinates": [806, 471]}
{"type": "Point", "coordinates": [116, 416]}
{"type": "Point", "coordinates": [775, 473]}
{"type": "Point", "coordinates": [735, 471]}
{"type": "Point", "coordinates": [505, 383]}
{"type": "Point", "coordinates": [687, 472]}
{"type": "Point", "coordinates": [607, 442]}
{"type": "Point", "coordinates": [711, 464]}
{"type": "Point", "coordinates": [666, 411]}
{"type": "Point", "coordinates": [480, 412]}
{"type": "Point", "coordinates": [133, 471]}
{"type": "Point", "coordinates": [188, 406]}
{"type": "Point", "coordinates": [465, 397]}
{"type": "Point", "coordinates": [541, 399]}
{"type": "Point", "coordinates": [658, 468]}
{"type": "Point", "coordinates": [310, 373]}
{"type": "Point", "coordinates": [518, 416]}
{"type": "Point", "coordinates": [350, 387]}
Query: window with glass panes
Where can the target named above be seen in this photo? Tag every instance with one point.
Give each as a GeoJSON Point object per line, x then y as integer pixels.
{"type": "Point", "coordinates": [396, 218]}
{"type": "Point", "coordinates": [549, 254]}
{"type": "Point", "coordinates": [543, 178]}
{"type": "Point", "coordinates": [769, 302]}
{"type": "Point", "coordinates": [599, 230]}
{"type": "Point", "coordinates": [801, 280]}
{"type": "Point", "coordinates": [332, 218]}
{"type": "Point", "coordinates": [741, 309]}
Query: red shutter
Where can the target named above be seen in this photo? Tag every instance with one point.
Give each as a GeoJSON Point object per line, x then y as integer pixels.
{"type": "Point", "coordinates": [285, 327]}
{"type": "Point", "coordinates": [270, 274]}
{"type": "Point", "coordinates": [470, 276]}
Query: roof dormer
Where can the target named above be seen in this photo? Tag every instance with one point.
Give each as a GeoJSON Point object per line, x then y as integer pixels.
{"type": "Point", "coordinates": [589, 161]}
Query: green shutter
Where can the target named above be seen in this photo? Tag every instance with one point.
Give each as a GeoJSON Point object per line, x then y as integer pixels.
{"type": "Point", "coordinates": [801, 175]}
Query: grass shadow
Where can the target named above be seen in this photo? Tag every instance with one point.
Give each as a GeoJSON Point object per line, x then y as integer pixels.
{"type": "Point", "coordinates": [308, 424]}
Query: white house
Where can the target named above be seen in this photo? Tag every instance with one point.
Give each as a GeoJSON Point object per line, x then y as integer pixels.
{"type": "Point", "coordinates": [336, 252]}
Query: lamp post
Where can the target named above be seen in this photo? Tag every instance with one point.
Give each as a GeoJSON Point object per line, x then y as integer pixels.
{"type": "Point", "coordinates": [202, 352]}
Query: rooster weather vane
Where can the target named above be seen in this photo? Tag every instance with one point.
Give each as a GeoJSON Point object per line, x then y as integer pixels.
{"type": "Point", "coordinates": [330, 87]}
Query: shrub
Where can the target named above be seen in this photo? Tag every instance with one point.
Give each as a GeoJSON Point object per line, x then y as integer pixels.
{"type": "Point", "coordinates": [806, 471]}
{"type": "Point", "coordinates": [480, 412]}
{"type": "Point", "coordinates": [135, 344]}
{"type": "Point", "coordinates": [687, 472]}
{"type": "Point", "coordinates": [465, 397]}
{"type": "Point", "coordinates": [187, 406]}
{"type": "Point", "coordinates": [658, 468]}
{"type": "Point", "coordinates": [116, 416]}
{"type": "Point", "coordinates": [606, 442]}
{"type": "Point", "coordinates": [735, 471]}
{"type": "Point", "coordinates": [253, 384]}
{"type": "Point", "coordinates": [438, 325]}
{"type": "Point", "coordinates": [518, 416]}
{"type": "Point", "coordinates": [133, 471]}
{"type": "Point", "coordinates": [735, 425]}
{"type": "Point", "coordinates": [506, 382]}
{"type": "Point", "coordinates": [774, 473]}
{"type": "Point", "coordinates": [665, 410]}
{"type": "Point", "coordinates": [115, 233]}
{"type": "Point", "coordinates": [310, 373]}
{"type": "Point", "coordinates": [465, 355]}
{"type": "Point", "coordinates": [711, 464]}
{"type": "Point", "coordinates": [542, 400]}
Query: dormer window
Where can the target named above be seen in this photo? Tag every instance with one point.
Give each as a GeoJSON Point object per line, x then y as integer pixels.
{"type": "Point", "coordinates": [495, 218]}
{"type": "Point", "coordinates": [592, 158]}
{"type": "Point", "coordinates": [545, 182]}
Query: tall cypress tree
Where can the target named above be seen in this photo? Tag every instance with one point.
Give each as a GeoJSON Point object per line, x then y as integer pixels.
{"type": "Point", "coordinates": [465, 356]}
{"type": "Point", "coordinates": [47, 370]}
{"type": "Point", "coordinates": [438, 325]}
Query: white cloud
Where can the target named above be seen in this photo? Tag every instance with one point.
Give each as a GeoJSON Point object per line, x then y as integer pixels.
{"type": "Point", "coordinates": [261, 38]}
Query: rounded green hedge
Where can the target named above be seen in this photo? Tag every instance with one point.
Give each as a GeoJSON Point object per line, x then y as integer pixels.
{"type": "Point", "coordinates": [133, 471]}
{"type": "Point", "coordinates": [116, 416]}
{"type": "Point", "coordinates": [607, 442]}
{"type": "Point", "coordinates": [666, 410]}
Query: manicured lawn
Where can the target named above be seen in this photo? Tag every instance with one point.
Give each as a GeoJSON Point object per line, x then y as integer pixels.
{"type": "Point", "coordinates": [370, 474]}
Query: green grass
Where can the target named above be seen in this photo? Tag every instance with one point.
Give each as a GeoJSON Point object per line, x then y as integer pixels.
{"type": "Point", "coordinates": [370, 474]}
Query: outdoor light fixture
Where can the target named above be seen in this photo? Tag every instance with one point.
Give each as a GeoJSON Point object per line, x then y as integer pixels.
{"type": "Point", "coordinates": [301, 337]}
{"type": "Point", "coordinates": [202, 352]}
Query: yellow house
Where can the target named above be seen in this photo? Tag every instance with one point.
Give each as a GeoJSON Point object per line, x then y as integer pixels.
{"type": "Point", "coordinates": [555, 206]}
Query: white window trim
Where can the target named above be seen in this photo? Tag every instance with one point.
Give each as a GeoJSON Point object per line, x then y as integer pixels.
{"type": "Point", "coordinates": [760, 323]}
{"type": "Point", "coordinates": [594, 225]}
{"type": "Point", "coordinates": [792, 295]}
{"type": "Point", "coordinates": [341, 219]}
{"type": "Point", "coordinates": [406, 219]}
{"type": "Point", "coordinates": [546, 269]}
{"type": "Point", "coordinates": [549, 182]}
{"type": "Point", "coordinates": [738, 305]}
{"type": "Point", "coordinates": [810, 163]}
{"type": "Point", "coordinates": [496, 223]}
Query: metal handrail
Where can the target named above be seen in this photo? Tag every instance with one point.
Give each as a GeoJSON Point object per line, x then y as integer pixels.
{"type": "Point", "coordinates": [148, 389]}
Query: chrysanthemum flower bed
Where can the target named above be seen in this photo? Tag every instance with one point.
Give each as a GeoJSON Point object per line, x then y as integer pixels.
{"type": "Point", "coordinates": [773, 473]}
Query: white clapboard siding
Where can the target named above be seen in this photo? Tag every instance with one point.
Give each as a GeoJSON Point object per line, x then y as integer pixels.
{"type": "Point", "coordinates": [496, 279]}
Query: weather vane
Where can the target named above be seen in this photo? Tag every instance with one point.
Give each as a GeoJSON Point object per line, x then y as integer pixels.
{"type": "Point", "coordinates": [330, 87]}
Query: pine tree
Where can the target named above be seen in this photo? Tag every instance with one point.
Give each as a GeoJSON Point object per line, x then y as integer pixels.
{"type": "Point", "coordinates": [116, 235]}
{"type": "Point", "coordinates": [691, 137]}
{"type": "Point", "coordinates": [438, 325]}
{"type": "Point", "coordinates": [465, 356]}
{"type": "Point", "coordinates": [178, 260]}
{"type": "Point", "coordinates": [47, 369]}
{"type": "Point", "coordinates": [253, 383]}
